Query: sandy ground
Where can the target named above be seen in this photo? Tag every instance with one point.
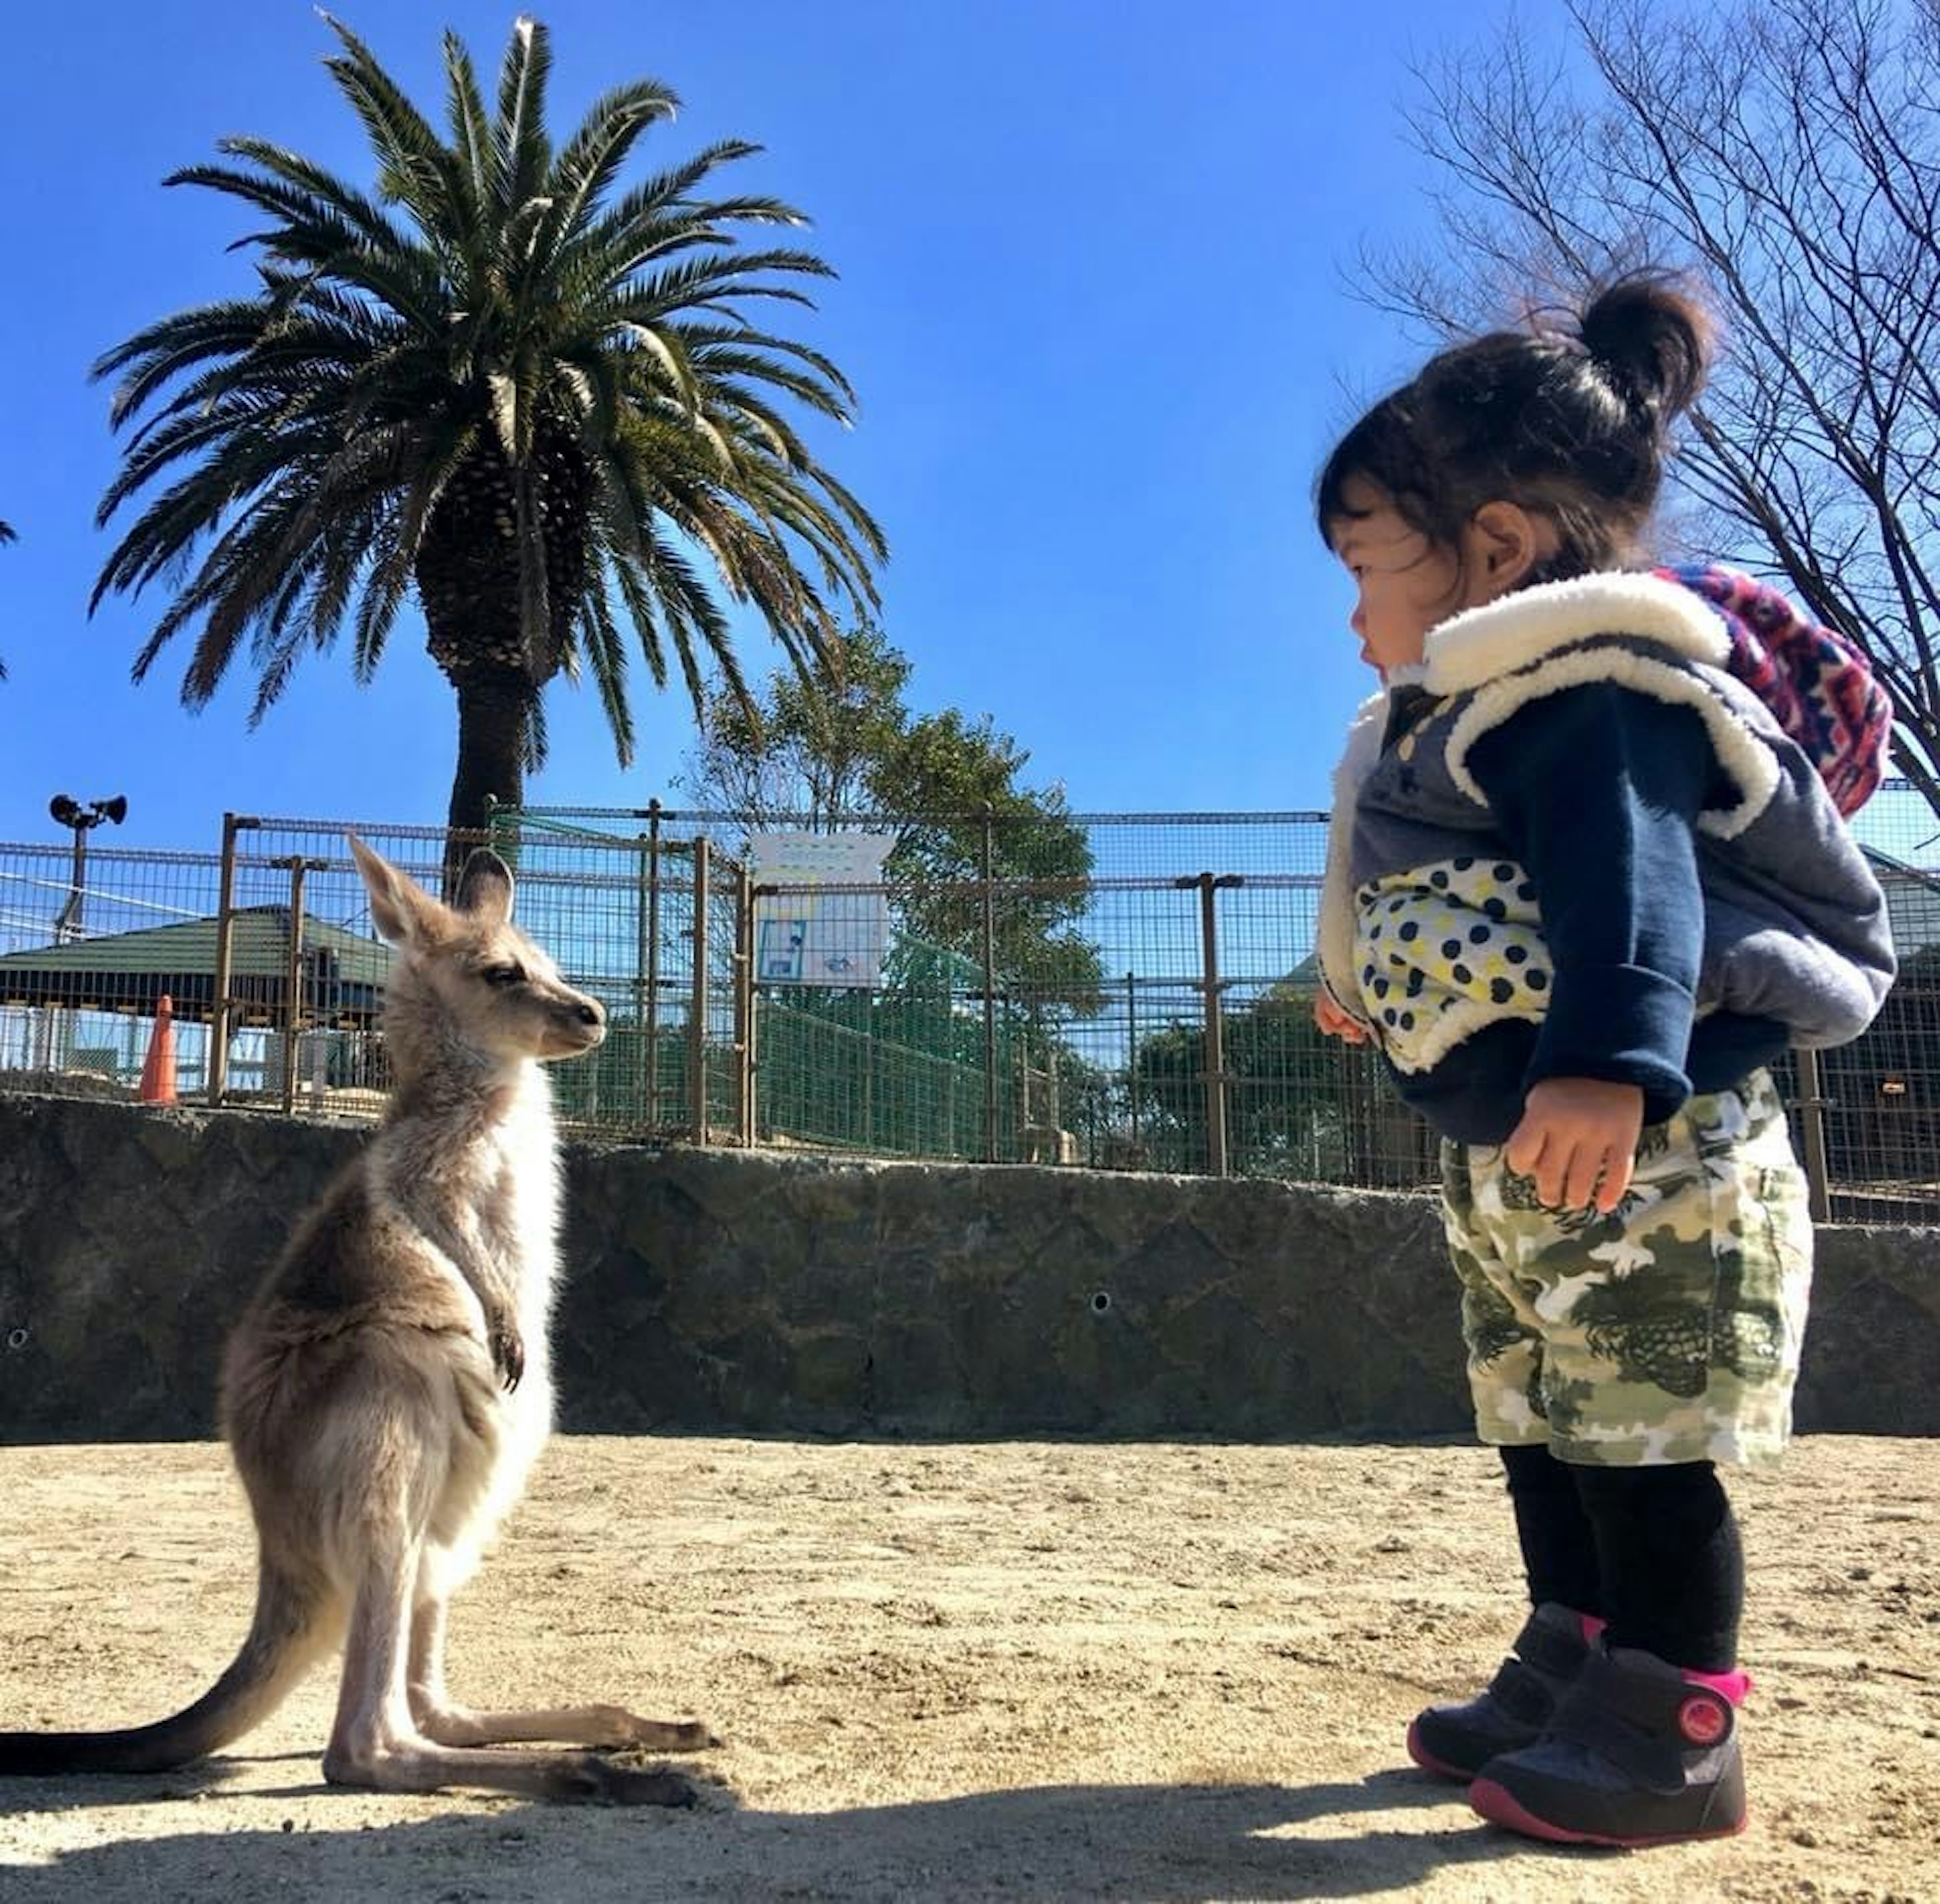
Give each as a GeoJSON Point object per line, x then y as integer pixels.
{"type": "Point", "coordinates": [1009, 1671]}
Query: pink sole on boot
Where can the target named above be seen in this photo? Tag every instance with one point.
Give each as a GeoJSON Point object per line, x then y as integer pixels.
{"type": "Point", "coordinates": [1427, 1761]}
{"type": "Point", "coordinates": [1499, 1805]}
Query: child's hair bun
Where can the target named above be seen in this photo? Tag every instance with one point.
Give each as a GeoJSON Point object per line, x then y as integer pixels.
{"type": "Point", "coordinates": [1652, 339]}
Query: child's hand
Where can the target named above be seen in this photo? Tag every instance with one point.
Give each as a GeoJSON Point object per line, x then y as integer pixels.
{"type": "Point", "coordinates": [1335, 1023]}
{"type": "Point", "coordinates": [1578, 1138]}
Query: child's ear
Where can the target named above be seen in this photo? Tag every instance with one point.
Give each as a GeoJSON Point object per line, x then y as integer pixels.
{"type": "Point", "coordinates": [1506, 542]}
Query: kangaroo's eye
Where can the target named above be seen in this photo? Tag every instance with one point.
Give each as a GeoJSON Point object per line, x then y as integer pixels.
{"type": "Point", "coordinates": [501, 975]}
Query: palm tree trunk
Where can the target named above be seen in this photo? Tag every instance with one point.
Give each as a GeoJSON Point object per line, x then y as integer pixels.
{"type": "Point", "coordinates": [494, 707]}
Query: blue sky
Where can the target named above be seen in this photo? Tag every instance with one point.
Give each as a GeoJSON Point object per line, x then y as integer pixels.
{"type": "Point", "coordinates": [1094, 259]}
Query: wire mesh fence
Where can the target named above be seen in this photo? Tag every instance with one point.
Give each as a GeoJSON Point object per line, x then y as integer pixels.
{"type": "Point", "coordinates": [88, 944]}
{"type": "Point", "coordinates": [1128, 991]}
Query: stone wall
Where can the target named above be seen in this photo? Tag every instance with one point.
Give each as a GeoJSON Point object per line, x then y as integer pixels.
{"type": "Point", "coordinates": [719, 1291]}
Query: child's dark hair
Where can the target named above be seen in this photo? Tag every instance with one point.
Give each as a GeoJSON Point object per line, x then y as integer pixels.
{"type": "Point", "coordinates": [1568, 420]}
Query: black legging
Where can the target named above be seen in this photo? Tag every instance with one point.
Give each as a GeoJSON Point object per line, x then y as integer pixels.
{"type": "Point", "coordinates": [1655, 1551]}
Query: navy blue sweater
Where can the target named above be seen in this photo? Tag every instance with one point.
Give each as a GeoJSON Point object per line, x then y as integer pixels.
{"type": "Point", "coordinates": [1596, 791]}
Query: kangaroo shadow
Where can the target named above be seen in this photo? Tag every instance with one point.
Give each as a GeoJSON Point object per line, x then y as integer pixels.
{"type": "Point", "coordinates": [205, 1778]}
{"type": "Point", "coordinates": [1134, 1844]}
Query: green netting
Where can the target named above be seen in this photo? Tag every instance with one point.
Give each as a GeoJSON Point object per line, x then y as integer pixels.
{"type": "Point", "coordinates": [901, 1072]}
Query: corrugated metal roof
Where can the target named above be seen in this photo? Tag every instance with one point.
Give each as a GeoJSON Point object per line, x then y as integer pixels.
{"type": "Point", "coordinates": [344, 975]}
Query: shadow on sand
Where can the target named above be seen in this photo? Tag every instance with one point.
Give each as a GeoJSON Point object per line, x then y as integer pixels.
{"type": "Point", "coordinates": [1142, 1844]}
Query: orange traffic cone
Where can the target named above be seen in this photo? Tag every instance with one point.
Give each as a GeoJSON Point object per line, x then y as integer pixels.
{"type": "Point", "coordinates": [158, 1069]}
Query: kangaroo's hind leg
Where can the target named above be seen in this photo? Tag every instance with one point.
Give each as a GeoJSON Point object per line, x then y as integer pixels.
{"type": "Point", "coordinates": [376, 1741]}
{"type": "Point", "coordinates": [388, 1466]}
{"type": "Point", "coordinates": [438, 1718]}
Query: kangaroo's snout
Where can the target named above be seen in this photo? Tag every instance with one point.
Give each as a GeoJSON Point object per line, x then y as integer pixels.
{"type": "Point", "coordinates": [579, 1024]}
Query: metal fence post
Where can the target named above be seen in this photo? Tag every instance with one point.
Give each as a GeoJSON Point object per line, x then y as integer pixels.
{"type": "Point", "coordinates": [293, 973]}
{"type": "Point", "coordinates": [1218, 1155]}
{"type": "Point", "coordinates": [990, 985]}
{"type": "Point", "coordinates": [225, 942]}
{"type": "Point", "coordinates": [648, 962]}
{"type": "Point", "coordinates": [1813, 1105]}
{"type": "Point", "coordinates": [744, 1008]}
{"type": "Point", "coordinates": [696, 1028]}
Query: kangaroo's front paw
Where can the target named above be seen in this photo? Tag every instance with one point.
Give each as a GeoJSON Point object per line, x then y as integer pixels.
{"type": "Point", "coordinates": [508, 1351]}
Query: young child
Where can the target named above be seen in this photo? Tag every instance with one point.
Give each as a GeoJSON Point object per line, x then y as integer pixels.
{"type": "Point", "coordinates": [1583, 887]}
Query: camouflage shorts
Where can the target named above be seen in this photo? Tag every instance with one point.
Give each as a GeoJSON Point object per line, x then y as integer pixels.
{"type": "Point", "coordinates": [1667, 1331]}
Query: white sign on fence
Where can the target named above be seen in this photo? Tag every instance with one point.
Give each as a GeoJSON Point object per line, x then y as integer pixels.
{"type": "Point", "coordinates": [823, 932]}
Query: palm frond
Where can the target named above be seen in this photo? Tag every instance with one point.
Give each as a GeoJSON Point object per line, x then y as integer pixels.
{"type": "Point", "coordinates": [591, 160]}
{"type": "Point", "coordinates": [415, 169]}
{"type": "Point", "coordinates": [524, 153]}
{"type": "Point", "coordinates": [499, 378]}
{"type": "Point", "coordinates": [471, 129]}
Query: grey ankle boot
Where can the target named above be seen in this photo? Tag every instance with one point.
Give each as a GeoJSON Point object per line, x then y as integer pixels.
{"type": "Point", "coordinates": [1635, 1755]}
{"type": "Point", "coordinates": [1456, 1741]}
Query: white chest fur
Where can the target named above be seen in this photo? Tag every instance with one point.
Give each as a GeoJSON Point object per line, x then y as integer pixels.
{"type": "Point", "coordinates": [526, 1211]}
{"type": "Point", "coordinates": [505, 1187]}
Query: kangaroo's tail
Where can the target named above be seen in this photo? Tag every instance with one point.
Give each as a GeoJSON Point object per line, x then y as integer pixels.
{"type": "Point", "coordinates": [287, 1632]}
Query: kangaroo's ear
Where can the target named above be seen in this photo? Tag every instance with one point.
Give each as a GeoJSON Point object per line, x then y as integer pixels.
{"type": "Point", "coordinates": [485, 888]}
{"type": "Point", "coordinates": [402, 911]}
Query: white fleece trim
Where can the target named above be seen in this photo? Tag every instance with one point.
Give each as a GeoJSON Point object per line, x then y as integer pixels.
{"type": "Point", "coordinates": [1455, 1027]}
{"type": "Point", "coordinates": [1475, 646]}
{"type": "Point", "coordinates": [1742, 756]}
{"type": "Point", "coordinates": [1334, 936]}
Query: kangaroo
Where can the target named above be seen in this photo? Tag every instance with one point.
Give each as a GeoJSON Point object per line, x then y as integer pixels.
{"type": "Point", "coordinates": [387, 1392]}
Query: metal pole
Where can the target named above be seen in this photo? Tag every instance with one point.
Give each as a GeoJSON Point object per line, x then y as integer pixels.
{"type": "Point", "coordinates": [293, 975]}
{"type": "Point", "coordinates": [653, 962]}
{"type": "Point", "coordinates": [643, 992]}
{"type": "Point", "coordinates": [1132, 1054]}
{"type": "Point", "coordinates": [1813, 1105]}
{"type": "Point", "coordinates": [60, 1045]}
{"type": "Point", "coordinates": [65, 811]}
{"type": "Point", "coordinates": [1217, 1159]}
{"type": "Point", "coordinates": [225, 950]}
{"type": "Point", "coordinates": [697, 1027]}
{"type": "Point", "coordinates": [989, 986]}
{"type": "Point", "coordinates": [866, 1130]}
{"type": "Point", "coordinates": [744, 1008]}
{"type": "Point", "coordinates": [68, 925]}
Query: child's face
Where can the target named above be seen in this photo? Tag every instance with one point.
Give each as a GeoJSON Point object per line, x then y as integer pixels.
{"type": "Point", "coordinates": [1405, 584]}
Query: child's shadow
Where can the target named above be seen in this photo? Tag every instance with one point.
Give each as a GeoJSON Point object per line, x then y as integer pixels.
{"type": "Point", "coordinates": [1045, 1844]}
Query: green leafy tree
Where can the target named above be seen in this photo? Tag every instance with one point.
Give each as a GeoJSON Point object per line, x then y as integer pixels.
{"type": "Point", "coordinates": [1299, 1105]}
{"type": "Point", "coordinates": [500, 382]}
{"type": "Point", "coordinates": [846, 752]}
{"type": "Point", "coordinates": [960, 782]}
{"type": "Point", "coordinates": [804, 752]}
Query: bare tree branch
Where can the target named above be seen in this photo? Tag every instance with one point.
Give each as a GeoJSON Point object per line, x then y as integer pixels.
{"type": "Point", "coordinates": [1788, 153]}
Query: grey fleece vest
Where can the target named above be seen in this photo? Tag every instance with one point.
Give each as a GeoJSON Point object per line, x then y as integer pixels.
{"type": "Point", "coordinates": [1795, 924]}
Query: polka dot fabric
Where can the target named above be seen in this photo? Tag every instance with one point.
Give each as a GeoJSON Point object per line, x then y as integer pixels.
{"type": "Point", "coordinates": [1442, 949]}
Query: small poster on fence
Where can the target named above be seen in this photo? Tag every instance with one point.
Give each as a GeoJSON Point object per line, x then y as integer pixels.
{"type": "Point", "coordinates": [830, 923]}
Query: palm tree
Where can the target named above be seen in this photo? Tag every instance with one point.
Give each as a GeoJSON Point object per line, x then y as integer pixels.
{"type": "Point", "coordinates": [500, 381]}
